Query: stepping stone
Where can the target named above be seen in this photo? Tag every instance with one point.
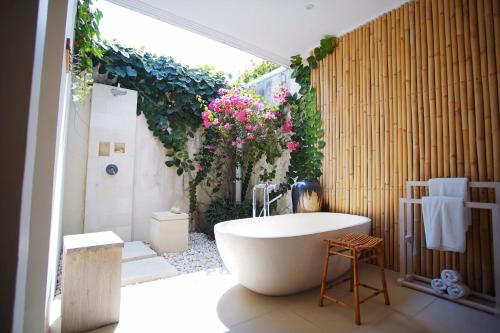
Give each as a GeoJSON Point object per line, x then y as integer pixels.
{"type": "Point", "coordinates": [136, 250]}
{"type": "Point", "coordinates": [145, 270]}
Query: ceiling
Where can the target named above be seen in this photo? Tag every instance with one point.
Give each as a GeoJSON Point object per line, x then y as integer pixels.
{"type": "Point", "coordinates": [273, 29]}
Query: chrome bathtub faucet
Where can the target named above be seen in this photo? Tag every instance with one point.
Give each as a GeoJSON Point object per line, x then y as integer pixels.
{"type": "Point", "coordinates": [267, 187]}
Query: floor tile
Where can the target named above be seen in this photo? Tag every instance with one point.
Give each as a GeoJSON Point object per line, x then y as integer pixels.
{"type": "Point", "coordinates": [278, 321]}
{"type": "Point", "coordinates": [396, 322]}
{"type": "Point", "coordinates": [336, 318]}
{"type": "Point", "coordinates": [445, 316]}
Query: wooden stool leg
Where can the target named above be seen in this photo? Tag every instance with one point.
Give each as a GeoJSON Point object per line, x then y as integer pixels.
{"type": "Point", "coordinates": [325, 274]}
{"type": "Point", "coordinates": [356, 287]}
{"type": "Point", "coordinates": [381, 264]}
{"type": "Point", "coordinates": [351, 282]}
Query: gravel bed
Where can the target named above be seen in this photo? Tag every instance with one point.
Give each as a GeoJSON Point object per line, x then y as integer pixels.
{"type": "Point", "coordinates": [202, 254]}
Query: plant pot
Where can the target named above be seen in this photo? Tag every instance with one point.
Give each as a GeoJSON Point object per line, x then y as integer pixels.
{"type": "Point", "coordinates": [307, 196]}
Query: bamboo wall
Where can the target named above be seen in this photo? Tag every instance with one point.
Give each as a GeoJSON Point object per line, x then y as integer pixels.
{"type": "Point", "coordinates": [413, 95]}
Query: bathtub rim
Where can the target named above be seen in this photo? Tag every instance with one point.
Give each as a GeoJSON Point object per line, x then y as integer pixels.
{"type": "Point", "coordinates": [218, 226]}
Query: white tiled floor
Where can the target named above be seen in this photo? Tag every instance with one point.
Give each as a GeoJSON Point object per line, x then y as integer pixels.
{"type": "Point", "coordinates": [213, 301]}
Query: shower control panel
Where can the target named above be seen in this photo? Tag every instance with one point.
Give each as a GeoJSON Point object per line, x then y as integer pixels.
{"type": "Point", "coordinates": [111, 169]}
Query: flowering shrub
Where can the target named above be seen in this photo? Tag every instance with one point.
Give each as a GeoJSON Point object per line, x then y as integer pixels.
{"type": "Point", "coordinates": [242, 128]}
{"type": "Point", "coordinates": [242, 118]}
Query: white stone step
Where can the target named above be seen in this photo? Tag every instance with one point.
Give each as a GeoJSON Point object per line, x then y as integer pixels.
{"type": "Point", "coordinates": [145, 270]}
{"type": "Point", "coordinates": [136, 250]}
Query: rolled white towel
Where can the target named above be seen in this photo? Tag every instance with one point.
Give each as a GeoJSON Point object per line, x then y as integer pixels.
{"type": "Point", "coordinates": [438, 285]}
{"type": "Point", "coordinates": [458, 290]}
{"type": "Point", "coordinates": [450, 276]}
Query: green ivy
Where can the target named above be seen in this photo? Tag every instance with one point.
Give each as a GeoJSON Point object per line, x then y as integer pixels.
{"type": "Point", "coordinates": [86, 36]}
{"type": "Point", "coordinates": [171, 95]}
{"type": "Point", "coordinates": [306, 160]}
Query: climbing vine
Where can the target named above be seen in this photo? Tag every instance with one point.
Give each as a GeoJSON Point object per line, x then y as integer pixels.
{"type": "Point", "coordinates": [87, 36]}
{"type": "Point", "coordinates": [306, 160]}
{"type": "Point", "coordinates": [171, 95]}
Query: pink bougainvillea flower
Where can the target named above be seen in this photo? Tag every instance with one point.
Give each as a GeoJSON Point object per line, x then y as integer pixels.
{"type": "Point", "coordinates": [287, 126]}
{"type": "Point", "coordinates": [249, 136]}
{"type": "Point", "coordinates": [241, 116]}
{"type": "Point", "coordinates": [292, 145]}
{"type": "Point", "coordinates": [205, 115]}
{"type": "Point", "coordinates": [281, 95]}
{"type": "Point", "coordinates": [269, 116]}
{"type": "Point", "coordinates": [249, 127]}
{"type": "Point", "coordinates": [227, 126]}
{"type": "Point", "coordinates": [199, 168]}
{"type": "Point", "coordinates": [209, 147]}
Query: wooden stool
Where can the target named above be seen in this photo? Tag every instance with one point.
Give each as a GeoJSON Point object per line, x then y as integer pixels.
{"type": "Point", "coordinates": [355, 247]}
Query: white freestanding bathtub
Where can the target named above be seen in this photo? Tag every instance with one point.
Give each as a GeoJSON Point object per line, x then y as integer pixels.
{"type": "Point", "coordinates": [283, 254]}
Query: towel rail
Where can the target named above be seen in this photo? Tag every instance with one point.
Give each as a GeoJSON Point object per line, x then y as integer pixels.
{"type": "Point", "coordinates": [409, 279]}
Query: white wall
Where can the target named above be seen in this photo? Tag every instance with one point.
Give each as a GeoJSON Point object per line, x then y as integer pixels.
{"type": "Point", "coordinates": [76, 166]}
{"type": "Point", "coordinates": [155, 186]}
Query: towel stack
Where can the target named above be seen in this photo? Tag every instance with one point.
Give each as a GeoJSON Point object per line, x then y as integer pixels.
{"type": "Point", "coordinates": [450, 282]}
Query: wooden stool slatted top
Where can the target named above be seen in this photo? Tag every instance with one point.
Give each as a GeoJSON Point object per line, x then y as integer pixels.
{"type": "Point", "coordinates": [353, 246]}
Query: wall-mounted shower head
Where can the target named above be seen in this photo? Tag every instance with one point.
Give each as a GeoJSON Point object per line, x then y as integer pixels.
{"type": "Point", "coordinates": [116, 91]}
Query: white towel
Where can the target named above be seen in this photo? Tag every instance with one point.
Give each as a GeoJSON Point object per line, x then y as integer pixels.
{"type": "Point", "coordinates": [458, 290]}
{"type": "Point", "coordinates": [444, 223]}
{"type": "Point", "coordinates": [439, 286]}
{"type": "Point", "coordinates": [450, 276]}
{"type": "Point", "coordinates": [451, 187]}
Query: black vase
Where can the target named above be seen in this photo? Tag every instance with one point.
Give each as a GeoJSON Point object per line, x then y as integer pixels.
{"type": "Point", "coordinates": [307, 196]}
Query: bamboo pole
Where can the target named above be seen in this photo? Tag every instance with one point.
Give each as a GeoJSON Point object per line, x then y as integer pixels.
{"type": "Point", "coordinates": [450, 123]}
{"type": "Point", "coordinates": [493, 44]}
{"type": "Point", "coordinates": [433, 117]}
{"type": "Point", "coordinates": [350, 148]}
{"type": "Point", "coordinates": [496, 121]}
{"type": "Point", "coordinates": [385, 137]}
{"type": "Point", "coordinates": [426, 253]}
{"type": "Point", "coordinates": [445, 257]}
{"type": "Point", "coordinates": [473, 267]}
{"type": "Point", "coordinates": [379, 216]}
{"type": "Point", "coordinates": [463, 77]}
{"type": "Point", "coordinates": [373, 127]}
{"type": "Point", "coordinates": [369, 83]}
{"type": "Point", "coordinates": [421, 144]}
{"type": "Point", "coordinates": [414, 106]}
{"type": "Point", "coordinates": [448, 16]}
{"type": "Point", "coordinates": [338, 125]}
{"type": "Point", "coordinates": [395, 194]}
{"type": "Point", "coordinates": [487, 167]}
{"type": "Point", "coordinates": [389, 109]}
